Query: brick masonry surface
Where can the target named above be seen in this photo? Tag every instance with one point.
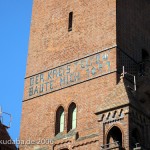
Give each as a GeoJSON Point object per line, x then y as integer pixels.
{"type": "Point", "coordinates": [84, 66]}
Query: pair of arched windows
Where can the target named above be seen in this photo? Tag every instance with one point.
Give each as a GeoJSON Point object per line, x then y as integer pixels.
{"type": "Point", "coordinates": [60, 118]}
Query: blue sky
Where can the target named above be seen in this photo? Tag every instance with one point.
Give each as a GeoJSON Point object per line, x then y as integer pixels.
{"type": "Point", "coordinates": [15, 18]}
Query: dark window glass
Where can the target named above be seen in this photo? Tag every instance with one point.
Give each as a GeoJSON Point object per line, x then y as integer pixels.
{"type": "Point", "coordinates": [70, 21]}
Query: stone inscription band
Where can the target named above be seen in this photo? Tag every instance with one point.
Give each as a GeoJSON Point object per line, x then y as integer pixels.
{"type": "Point", "coordinates": [78, 71]}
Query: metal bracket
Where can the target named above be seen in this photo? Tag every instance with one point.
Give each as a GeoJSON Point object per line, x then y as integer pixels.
{"type": "Point", "coordinates": [134, 78]}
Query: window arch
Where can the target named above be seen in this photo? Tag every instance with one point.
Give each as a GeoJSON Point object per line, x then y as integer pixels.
{"type": "Point", "coordinates": [72, 116]}
{"type": "Point", "coordinates": [114, 137]}
{"type": "Point", "coordinates": [60, 120]}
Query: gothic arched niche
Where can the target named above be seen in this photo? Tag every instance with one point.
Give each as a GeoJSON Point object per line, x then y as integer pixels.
{"type": "Point", "coordinates": [114, 137]}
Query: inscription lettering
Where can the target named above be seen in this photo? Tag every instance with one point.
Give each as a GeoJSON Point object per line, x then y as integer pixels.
{"type": "Point", "coordinates": [70, 74]}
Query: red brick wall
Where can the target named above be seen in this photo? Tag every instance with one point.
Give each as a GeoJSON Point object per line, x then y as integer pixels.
{"type": "Point", "coordinates": [50, 42]}
{"type": "Point", "coordinates": [50, 46]}
{"type": "Point", "coordinates": [96, 27]}
{"type": "Point", "coordinates": [38, 116]}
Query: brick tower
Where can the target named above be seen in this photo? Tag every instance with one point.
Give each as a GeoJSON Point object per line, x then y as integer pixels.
{"type": "Point", "coordinates": [88, 69]}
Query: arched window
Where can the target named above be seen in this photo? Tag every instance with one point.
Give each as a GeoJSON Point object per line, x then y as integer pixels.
{"type": "Point", "coordinates": [72, 117]}
{"type": "Point", "coordinates": [59, 125]}
{"type": "Point", "coordinates": [114, 138]}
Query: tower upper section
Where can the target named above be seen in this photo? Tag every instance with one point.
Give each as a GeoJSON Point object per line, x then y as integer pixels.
{"type": "Point", "coordinates": [93, 28]}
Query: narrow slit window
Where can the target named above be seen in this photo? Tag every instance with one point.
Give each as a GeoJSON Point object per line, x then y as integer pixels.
{"type": "Point", "coordinates": [70, 21]}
